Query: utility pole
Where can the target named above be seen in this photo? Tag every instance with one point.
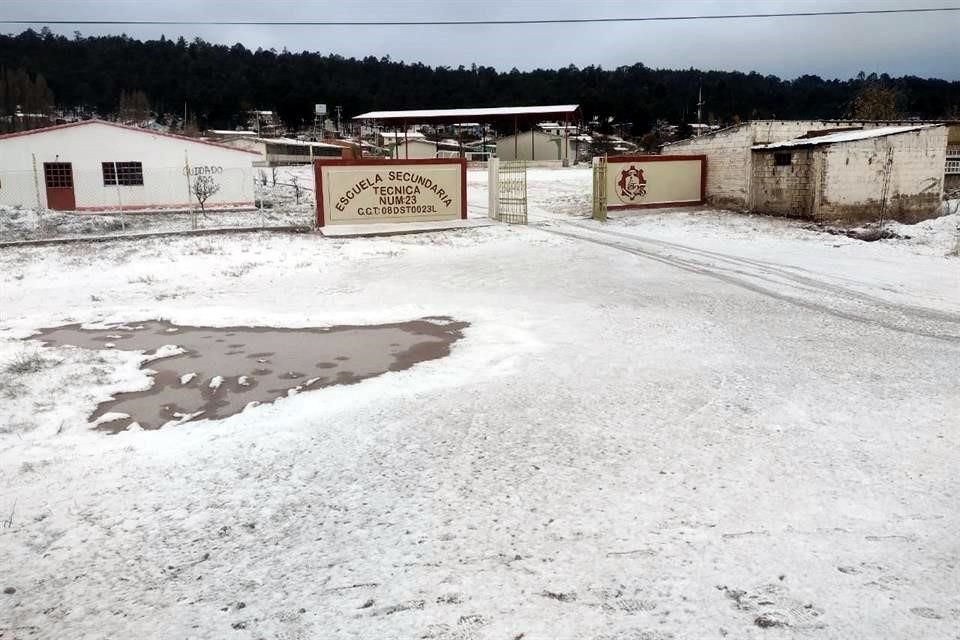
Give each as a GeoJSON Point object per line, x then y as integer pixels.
{"type": "Point", "coordinates": [700, 104]}
{"type": "Point", "coordinates": [339, 123]}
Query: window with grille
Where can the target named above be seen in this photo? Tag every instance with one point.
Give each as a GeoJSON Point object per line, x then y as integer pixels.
{"type": "Point", "coordinates": [782, 159]}
{"type": "Point", "coordinates": [122, 173]}
{"type": "Point", "coordinates": [58, 174]}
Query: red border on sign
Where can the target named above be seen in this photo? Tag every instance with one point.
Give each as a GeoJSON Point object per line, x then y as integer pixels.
{"type": "Point", "coordinates": [318, 177]}
{"type": "Point", "coordinates": [661, 158]}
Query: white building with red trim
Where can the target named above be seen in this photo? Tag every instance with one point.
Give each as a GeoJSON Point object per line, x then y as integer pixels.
{"type": "Point", "coordinates": [101, 166]}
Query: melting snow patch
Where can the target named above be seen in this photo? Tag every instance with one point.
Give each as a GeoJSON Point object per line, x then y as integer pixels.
{"type": "Point", "coordinates": [186, 417]}
{"type": "Point", "coordinates": [110, 416]}
{"type": "Point", "coordinates": [165, 351]}
{"type": "Point", "coordinates": [187, 377]}
{"type": "Point", "coordinates": [216, 382]}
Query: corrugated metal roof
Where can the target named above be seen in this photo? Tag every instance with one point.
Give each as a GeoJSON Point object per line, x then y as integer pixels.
{"type": "Point", "coordinates": [425, 115]}
{"type": "Point", "coordinates": [297, 143]}
{"type": "Point", "coordinates": [842, 136]}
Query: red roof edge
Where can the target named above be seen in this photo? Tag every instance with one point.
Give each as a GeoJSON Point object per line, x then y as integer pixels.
{"type": "Point", "coordinates": [175, 136]}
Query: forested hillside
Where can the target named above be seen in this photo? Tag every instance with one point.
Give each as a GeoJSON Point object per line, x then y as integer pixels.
{"type": "Point", "coordinates": [217, 82]}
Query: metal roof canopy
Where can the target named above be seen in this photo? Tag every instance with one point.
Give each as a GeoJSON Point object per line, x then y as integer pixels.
{"type": "Point", "coordinates": [458, 116]}
{"type": "Point", "coordinates": [840, 137]}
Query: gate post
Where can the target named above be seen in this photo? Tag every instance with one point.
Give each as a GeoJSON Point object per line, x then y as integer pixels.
{"type": "Point", "coordinates": [600, 188]}
{"type": "Point", "coordinates": [493, 188]}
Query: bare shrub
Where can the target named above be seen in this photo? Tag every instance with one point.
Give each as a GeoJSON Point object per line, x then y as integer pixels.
{"type": "Point", "coordinates": [26, 363]}
{"type": "Point", "coordinates": [297, 189]}
{"type": "Point", "coordinates": [241, 269]}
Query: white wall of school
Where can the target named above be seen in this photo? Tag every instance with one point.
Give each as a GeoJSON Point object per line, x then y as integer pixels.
{"type": "Point", "coordinates": [88, 145]}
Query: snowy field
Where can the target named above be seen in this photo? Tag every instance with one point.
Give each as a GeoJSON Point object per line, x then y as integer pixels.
{"type": "Point", "coordinates": [678, 424]}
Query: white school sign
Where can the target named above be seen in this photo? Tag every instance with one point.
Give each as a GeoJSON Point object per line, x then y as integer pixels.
{"type": "Point", "coordinates": [377, 191]}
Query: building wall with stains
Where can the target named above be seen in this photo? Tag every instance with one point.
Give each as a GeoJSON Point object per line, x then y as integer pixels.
{"type": "Point", "coordinates": [898, 177]}
{"type": "Point", "coordinates": [729, 156]}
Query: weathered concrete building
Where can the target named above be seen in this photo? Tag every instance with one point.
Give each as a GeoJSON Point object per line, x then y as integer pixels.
{"type": "Point", "coordinates": [852, 176]}
{"type": "Point", "coordinates": [536, 146]}
{"type": "Point", "coordinates": [278, 152]}
{"type": "Point", "coordinates": [418, 149]}
{"type": "Point", "coordinates": [730, 154]}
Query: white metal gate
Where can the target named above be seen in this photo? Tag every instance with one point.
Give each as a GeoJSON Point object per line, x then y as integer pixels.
{"type": "Point", "coordinates": [508, 191]}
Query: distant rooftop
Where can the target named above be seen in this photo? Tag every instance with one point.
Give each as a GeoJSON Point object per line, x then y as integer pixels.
{"type": "Point", "coordinates": [389, 135]}
{"type": "Point", "coordinates": [842, 136]}
{"type": "Point", "coordinates": [231, 132]}
{"type": "Point", "coordinates": [297, 143]}
{"type": "Point", "coordinates": [453, 116]}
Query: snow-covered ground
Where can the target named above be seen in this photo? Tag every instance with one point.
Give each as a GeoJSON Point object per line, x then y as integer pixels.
{"type": "Point", "coordinates": [677, 424]}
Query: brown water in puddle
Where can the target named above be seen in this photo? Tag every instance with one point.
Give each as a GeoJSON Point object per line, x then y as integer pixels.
{"type": "Point", "coordinates": [224, 369]}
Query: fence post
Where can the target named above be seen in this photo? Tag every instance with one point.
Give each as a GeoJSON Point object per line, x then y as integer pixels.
{"type": "Point", "coordinates": [493, 188]}
{"type": "Point", "coordinates": [36, 188]}
{"type": "Point", "coordinates": [258, 193]}
{"type": "Point", "coordinates": [186, 173]}
{"type": "Point", "coordinates": [600, 188]}
{"type": "Point", "coordinates": [116, 183]}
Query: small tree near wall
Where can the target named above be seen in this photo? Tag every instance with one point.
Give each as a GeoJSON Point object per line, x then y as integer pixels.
{"type": "Point", "coordinates": [203, 188]}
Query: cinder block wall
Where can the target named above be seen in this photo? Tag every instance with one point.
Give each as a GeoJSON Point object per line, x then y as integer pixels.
{"type": "Point", "coordinates": [728, 163]}
{"type": "Point", "coordinates": [783, 190]}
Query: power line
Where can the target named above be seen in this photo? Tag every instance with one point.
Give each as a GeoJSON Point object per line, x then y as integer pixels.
{"type": "Point", "coordinates": [426, 23]}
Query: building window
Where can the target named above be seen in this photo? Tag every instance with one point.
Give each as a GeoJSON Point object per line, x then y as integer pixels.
{"type": "Point", "coordinates": [58, 175]}
{"type": "Point", "coordinates": [125, 174]}
{"type": "Point", "coordinates": [782, 159]}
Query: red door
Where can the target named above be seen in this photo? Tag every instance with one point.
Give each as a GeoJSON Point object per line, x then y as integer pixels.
{"type": "Point", "coordinates": [58, 177]}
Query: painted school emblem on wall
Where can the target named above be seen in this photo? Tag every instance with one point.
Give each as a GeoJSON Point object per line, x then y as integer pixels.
{"type": "Point", "coordinates": [631, 185]}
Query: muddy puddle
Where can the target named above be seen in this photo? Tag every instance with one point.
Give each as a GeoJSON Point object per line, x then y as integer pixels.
{"type": "Point", "coordinates": [216, 372]}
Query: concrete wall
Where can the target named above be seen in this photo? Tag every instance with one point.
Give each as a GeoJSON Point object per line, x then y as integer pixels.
{"type": "Point", "coordinates": [953, 134]}
{"type": "Point", "coordinates": [729, 158]}
{"type": "Point", "coordinates": [538, 146]}
{"type": "Point", "coordinates": [854, 174]}
{"type": "Point", "coordinates": [728, 163]}
{"type": "Point", "coordinates": [784, 190]}
{"type": "Point", "coordinates": [414, 150]}
{"type": "Point", "coordinates": [88, 145]}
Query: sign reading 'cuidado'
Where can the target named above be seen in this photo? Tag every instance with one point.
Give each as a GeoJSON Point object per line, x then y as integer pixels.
{"type": "Point", "coordinates": [358, 192]}
{"type": "Point", "coordinates": [655, 181]}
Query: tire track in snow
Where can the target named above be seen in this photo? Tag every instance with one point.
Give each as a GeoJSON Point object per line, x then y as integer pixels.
{"type": "Point", "coordinates": [751, 274]}
{"type": "Point", "coordinates": [787, 272]}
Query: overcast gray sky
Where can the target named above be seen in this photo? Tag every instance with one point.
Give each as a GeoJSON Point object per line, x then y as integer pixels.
{"type": "Point", "coordinates": [921, 44]}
